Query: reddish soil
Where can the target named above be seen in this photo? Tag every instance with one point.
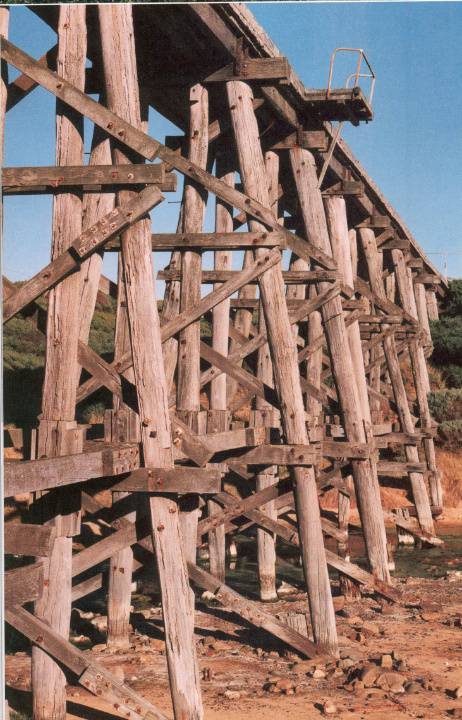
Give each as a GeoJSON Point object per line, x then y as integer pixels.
{"type": "Point", "coordinates": [423, 632]}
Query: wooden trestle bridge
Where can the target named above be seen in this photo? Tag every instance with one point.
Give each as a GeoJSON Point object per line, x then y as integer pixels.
{"type": "Point", "coordinates": [312, 353]}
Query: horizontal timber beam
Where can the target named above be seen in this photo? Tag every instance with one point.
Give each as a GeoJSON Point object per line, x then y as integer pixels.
{"type": "Point", "coordinates": [46, 473]}
{"type": "Point", "coordinates": [87, 243]}
{"type": "Point", "coordinates": [150, 148]}
{"type": "Point", "coordinates": [212, 241]}
{"type": "Point", "coordinates": [90, 178]}
{"type": "Point", "coordinates": [171, 480]}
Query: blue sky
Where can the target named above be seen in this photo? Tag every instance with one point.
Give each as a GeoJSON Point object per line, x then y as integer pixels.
{"type": "Point", "coordinates": [412, 149]}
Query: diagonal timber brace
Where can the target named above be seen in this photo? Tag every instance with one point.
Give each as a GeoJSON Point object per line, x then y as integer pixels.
{"type": "Point", "coordinates": [150, 148]}
{"type": "Point", "coordinates": [93, 676]}
{"type": "Point", "coordinates": [86, 244]}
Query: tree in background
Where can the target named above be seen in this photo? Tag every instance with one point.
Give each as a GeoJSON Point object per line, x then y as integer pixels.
{"type": "Point", "coordinates": [447, 336]}
{"type": "Point", "coordinates": [446, 404]}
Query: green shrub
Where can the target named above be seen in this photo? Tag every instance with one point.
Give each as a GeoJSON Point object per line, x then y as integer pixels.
{"type": "Point", "coordinates": [450, 434]}
{"type": "Point", "coordinates": [452, 304]}
{"type": "Point", "coordinates": [453, 375]}
{"type": "Point", "coordinates": [446, 405]}
{"type": "Point", "coordinates": [447, 340]}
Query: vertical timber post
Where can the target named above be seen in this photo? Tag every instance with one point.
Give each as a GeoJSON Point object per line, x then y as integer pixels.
{"type": "Point", "coordinates": [286, 374]}
{"type": "Point", "coordinates": [120, 71]}
{"type": "Point", "coordinates": [337, 224]}
{"type": "Point", "coordinates": [263, 415]}
{"type": "Point", "coordinates": [57, 433]}
{"type": "Point", "coordinates": [365, 479]}
{"type": "Point", "coordinates": [188, 387]}
{"type": "Point", "coordinates": [419, 490]}
{"type": "Point", "coordinates": [420, 371]}
{"type": "Point", "coordinates": [218, 419]}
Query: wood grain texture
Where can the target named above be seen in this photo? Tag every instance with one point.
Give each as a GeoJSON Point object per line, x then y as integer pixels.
{"type": "Point", "coordinates": [419, 490]}
{"type": "Point", "coordinates": [286, 374]}
{"type": "Point", "coordinates": [366, 484]}
{"type": "Point", "coordinates": [120, 72]}
{"type": "Point", "coordinates": [61, 368]}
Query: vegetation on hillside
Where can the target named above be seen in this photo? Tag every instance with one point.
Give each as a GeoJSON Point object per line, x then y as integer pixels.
{"type": "Point", "coordinates": [446, 403]}
{"type": "Point", "coordinates": [24, 361]}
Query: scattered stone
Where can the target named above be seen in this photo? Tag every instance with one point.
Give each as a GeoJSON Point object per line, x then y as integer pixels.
{"type": "Point", "coordinates": [386, 661]}
{"type": "Point", "coordinates": [286, 589]}
{"type": "Point", "coordinates": [412, 687]}
{"type": "Point", "coordinates": [457, 692]}
{"type": "Point", "coordinates": [99, 647]}
{"type": "Point", "coordinates": [318, 674]}
{"type": "Point", "coordinates": [396, 688]}
{"type": "Point", "coordinates": [329, 708]}
{"type": "Point", "coordinates": [371, 629]}
{"type": "Point", "coordinates": [388, 680]}
{"type": "Point", "coordinates": [285, 686]}
{"type": "Point", "coordinates": [81, 640]}
{"type": "Point", "coordinates": [346, 664]}
{"type": "Point", "coordinates": [369, 675]}
{"type": "Point", "coordinates": [355, 620]}
{"type": "Point", "coordinates": [232, 694]}
{"type": "Point", "coordinates": [387, 609]}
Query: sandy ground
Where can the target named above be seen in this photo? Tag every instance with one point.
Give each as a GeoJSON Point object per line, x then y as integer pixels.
{"type": "Point", "coordinates": [247, 677]}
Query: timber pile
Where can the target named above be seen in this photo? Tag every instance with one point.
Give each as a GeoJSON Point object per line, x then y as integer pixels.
{"type": "Point", "coordinates": [315, 351]}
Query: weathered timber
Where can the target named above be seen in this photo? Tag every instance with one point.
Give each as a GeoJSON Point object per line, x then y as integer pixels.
{"type": "Point", "coordinates": [20, 88]}
{"type": "Point", "coordinates": [219, 240]}
{"type": "Point", "coordinates": [151, 148]}
{"type": "Point", "coordinates": [89, 178]}
{"type": "Point", "coordinates": [290, 277]}
{"type": "Point", "coordinates": [120, 73]}
{"type": "Point", "coordinates": [419, 490]}
{"type": "Point", "coordinates": [251, 612]}
{"type": "Point", "coordinates": [366, 483]}
{"type": "Point", "coordinates": [252, 69]}
{"type": "Point", "coordinates": [91, 675]}
{"type": "Point", "coordinates": [56, 433]}
{"type": "Point", "coordinates": [87, 243]}
{"type": "Point", "coordinates": [171, 480]}
{"type": "Point", "coordinates": [33, 540]}
{"type": "Point", "coordinates": [188, 364]}
{"type": "Point", "coordinates": [286, 373]}
{"type": "Point", "coordinates": [413, 300]}
{"type": "Point", "coordinates": [47, 473]}
{"type": "Point", "coordinates": [290, 536]}
{"type": "Point", "coordinates": [23, 584]}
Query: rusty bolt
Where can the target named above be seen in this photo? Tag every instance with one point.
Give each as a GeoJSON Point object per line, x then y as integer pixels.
{"type": "Point", "coordinates": [160, 528]}
{"type": "Point", "coordinates": [110, 125]}
{"type": "Point", "coordinates": [39, 639]}
{"type": "Point", "coordinates": [172, 510]}
{"type": "Point", "coordinates": [146, 422]}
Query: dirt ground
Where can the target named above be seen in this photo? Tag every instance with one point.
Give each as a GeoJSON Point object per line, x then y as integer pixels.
{"type": "Point", "coordinates": [402, 660]}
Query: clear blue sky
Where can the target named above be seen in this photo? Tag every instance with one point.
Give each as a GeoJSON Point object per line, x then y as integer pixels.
{"type": "Point", "coordinates": [412, 149]}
